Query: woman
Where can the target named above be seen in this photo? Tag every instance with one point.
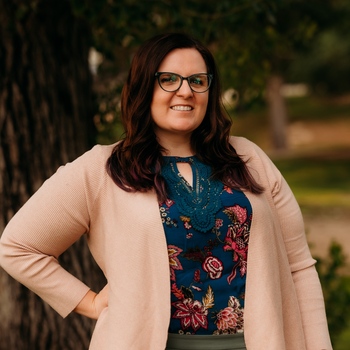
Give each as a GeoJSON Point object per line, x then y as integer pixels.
{"type": "Point", "coordinates": [198, 234]}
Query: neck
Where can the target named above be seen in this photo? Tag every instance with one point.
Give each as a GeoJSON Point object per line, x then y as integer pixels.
{"type": "Point", "coordinates": [176, 145]}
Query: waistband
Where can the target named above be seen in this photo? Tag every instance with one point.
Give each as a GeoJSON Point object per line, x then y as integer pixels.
{"type": "Point", "coordinates": [205, 342]}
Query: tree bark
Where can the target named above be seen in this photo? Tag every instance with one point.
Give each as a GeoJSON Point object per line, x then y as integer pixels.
{"type": "Point", "coordinates": [277, 112]}
{"type": "Point", "coordinates": [46, 118]}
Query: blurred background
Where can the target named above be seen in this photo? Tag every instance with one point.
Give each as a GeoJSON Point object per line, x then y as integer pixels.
{"type": "Point", "coordinates": [285, 70]}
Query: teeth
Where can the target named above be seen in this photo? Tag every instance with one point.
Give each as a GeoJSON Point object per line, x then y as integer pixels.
{"type": "Point", "coordinates": [181, 108]}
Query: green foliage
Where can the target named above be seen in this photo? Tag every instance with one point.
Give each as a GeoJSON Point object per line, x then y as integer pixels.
{"type": "Point", "coordinates": [107, 119]}
{"type": "Point", "coordinates": [336, 290]}
{"type": "Point", "coordinates": [250, 38]}
{"type": "Point", "coordinates": [343, 340]}
{"type": "Point", "coordinates": [325, 64]}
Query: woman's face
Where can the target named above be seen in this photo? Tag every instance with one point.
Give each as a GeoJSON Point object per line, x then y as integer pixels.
{"type": "Point", "coordinates": [182, 111]}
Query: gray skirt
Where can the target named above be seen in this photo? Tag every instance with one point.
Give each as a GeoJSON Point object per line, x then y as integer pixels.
{"type": "Point", "coordinates": [205, 342]}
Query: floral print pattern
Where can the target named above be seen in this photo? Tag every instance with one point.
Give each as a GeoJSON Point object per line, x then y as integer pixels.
{"type": "Point", "coordinates": [174, 261]}
{"type": "Point", "coordinates": [191, 313]}
{"type": "Point", "coordinates": [237, 239]}
{"type": "Point", "coordinates": [213, 266]}
{"type": "Point", "coordinates": [230, 319]}
{"type": "Point", "coordinates": [208, 270]}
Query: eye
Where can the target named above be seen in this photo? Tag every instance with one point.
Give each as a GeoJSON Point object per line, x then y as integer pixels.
{"type": "Point", "coordinates": [169, 78]}
{"type": "Point", "coordinates": [200, 80]}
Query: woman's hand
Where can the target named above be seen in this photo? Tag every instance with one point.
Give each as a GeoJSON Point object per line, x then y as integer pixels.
{"type": "Point", "coordinates": [92, 304]}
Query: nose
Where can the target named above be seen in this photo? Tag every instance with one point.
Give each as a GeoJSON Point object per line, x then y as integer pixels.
{"type": "Point", "coordinates": [185, 90]}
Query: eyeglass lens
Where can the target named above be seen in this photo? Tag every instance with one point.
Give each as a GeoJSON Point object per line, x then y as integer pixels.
{"type": "Point", "coordinates": [172, 81]}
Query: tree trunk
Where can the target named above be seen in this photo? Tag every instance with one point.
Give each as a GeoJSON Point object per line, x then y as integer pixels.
{"type": "Point", "coordinates": [46, 112]}
{"type": "Point", "coordinates": [277, 112]}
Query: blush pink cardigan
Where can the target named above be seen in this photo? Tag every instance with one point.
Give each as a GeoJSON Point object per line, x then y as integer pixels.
{"type": "Point", "coordinates": [284, 308]}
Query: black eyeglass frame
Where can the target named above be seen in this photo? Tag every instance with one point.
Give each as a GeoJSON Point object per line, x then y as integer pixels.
{"type": "Point", "coordinates": [210, 79]}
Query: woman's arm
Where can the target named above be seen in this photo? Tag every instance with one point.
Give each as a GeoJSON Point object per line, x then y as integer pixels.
{"type": "Point", "coordinates": [305, 277]}
{"type": "Point", "coordinates": [92, 304]}
{"type": "Point", "coordinates": [56, 216]}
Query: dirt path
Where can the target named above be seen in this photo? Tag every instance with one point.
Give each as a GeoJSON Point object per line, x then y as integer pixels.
{"type": "Point", "coordinates": [314, 134]}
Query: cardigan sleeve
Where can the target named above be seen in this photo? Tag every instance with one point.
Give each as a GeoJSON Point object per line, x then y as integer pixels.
{"type": "Point", "coordinates": [302, 265]}
{"type": "Point", "coordinates": [55, 217]}
{"type": "Point", "coordinates": [306, 280]}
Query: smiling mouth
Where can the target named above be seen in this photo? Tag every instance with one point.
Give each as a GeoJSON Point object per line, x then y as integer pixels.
{"type": "Point", "coordinates": [181, 108]}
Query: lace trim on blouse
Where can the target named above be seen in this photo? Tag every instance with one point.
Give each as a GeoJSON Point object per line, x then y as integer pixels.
{"type": "Point", "coordinates": [202, 201]}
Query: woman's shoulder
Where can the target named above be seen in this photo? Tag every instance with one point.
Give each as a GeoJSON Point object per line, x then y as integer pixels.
{"type": "Point", "coordinates": [246, 148]}
{"type": "Point", "coordinates": [259, 163]}
{"type": "Point", "coordinates": [99, 153]}
{"type": "Point", "coordinates": [89, 167]}
{"type": "Point", "coordinates": [94, 158]}
{"type": "Point", "coordinates": [237, 141]}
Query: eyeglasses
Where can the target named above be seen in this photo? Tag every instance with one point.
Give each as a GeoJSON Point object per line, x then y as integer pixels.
{"type": "Point", "coordinates": [172, 82]}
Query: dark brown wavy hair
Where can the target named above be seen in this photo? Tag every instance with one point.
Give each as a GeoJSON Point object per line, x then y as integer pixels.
{"type": "Point", "coordinates": [136, 161]}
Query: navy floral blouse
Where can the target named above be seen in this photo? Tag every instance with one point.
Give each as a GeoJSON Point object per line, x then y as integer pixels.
{"type": "Point", "coordinates": [207, 229]}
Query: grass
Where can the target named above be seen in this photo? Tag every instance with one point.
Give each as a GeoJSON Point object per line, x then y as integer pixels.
{"type": "Point", "coordinates": [343, 341]}
{"type": "Point", "coordinates": [318, 182]}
